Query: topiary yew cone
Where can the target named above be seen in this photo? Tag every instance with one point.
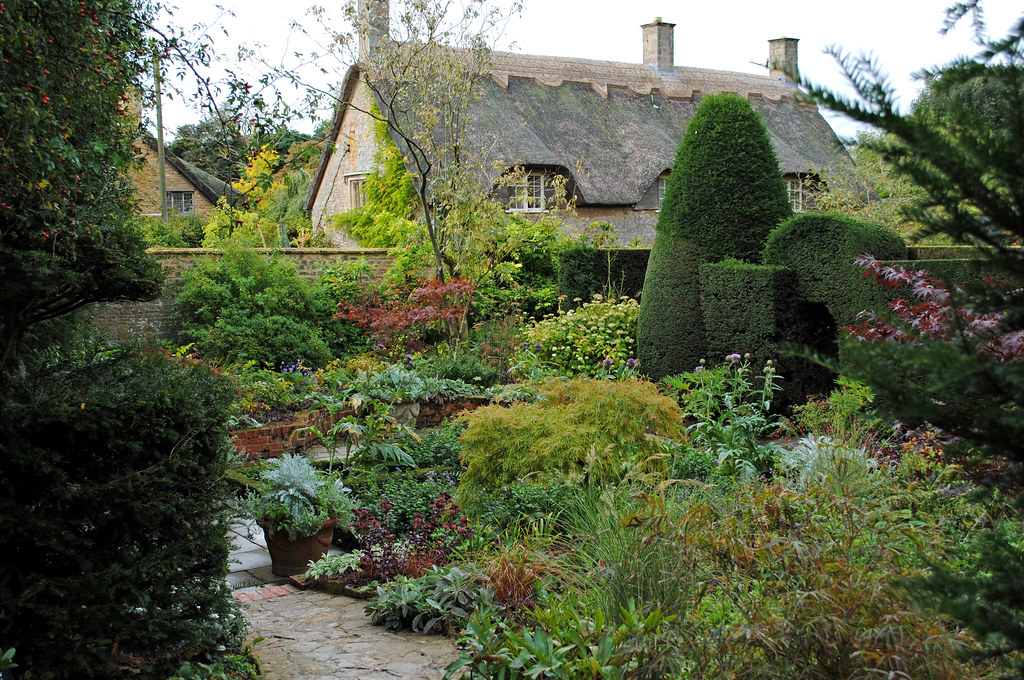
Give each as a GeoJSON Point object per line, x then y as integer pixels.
{"type": "Point", "coordinates": [724, 196]}
{"type": "Point", "coordinates": [726, 192]}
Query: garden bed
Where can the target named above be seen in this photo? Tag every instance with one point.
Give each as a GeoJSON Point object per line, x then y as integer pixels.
{"type": "Point", "coordinates": [276, 439]}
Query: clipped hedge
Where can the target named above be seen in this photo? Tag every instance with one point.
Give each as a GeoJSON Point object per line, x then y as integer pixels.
{"type": "Point", "coordinates": [819, 249]}
{"type": "Point", "coordinates": [584, 270]}
{"type": "Point", "coordinates": [670, 328]}
{"type": "Point", "coordinates": [757, 309]}
{"type": "Point", "coordinates": [952, 272]}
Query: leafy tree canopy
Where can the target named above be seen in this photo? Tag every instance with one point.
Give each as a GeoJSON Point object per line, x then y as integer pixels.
{"type": "Point", "coordinates": [66, 143]}
{"type": "Point", "coordinates": [222, 146]}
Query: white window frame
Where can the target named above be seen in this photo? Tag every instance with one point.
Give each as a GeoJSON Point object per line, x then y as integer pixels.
{"type": "Point", "coordinates": [662, 188]}
{"type": "Point", "coordinates": [528, 194]}
{"type": "Point", "coordinates": [797, 191]}
{"type": "Point", "coordinates": [182, 202]}
{"type": "Point", "coordinates": [356, 192]}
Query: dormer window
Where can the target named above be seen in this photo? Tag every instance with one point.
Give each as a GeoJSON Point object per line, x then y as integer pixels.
{"type": "Point", "coordinates": [795, 187]}
{"type": "Point", "coordinates": [662, 187]}
{"type": "Point", "coordinates": [526, 194]}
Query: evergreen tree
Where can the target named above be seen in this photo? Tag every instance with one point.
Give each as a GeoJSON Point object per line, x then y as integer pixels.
{"type": "Point", "coordinates": [967, 154]}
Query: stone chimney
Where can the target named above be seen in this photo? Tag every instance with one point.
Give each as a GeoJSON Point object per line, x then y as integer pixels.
{"type": "Point", "coordinates": [374, 26]}
{"type": "Point", "coordinates": [659, 50]}
{"type": "Point", "coordinates": [782, 61]}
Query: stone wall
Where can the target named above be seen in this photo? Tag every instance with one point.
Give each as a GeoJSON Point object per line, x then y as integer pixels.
{"type": "Point", "coordinates": [352, 157]}
{"type": "Point", "coordinates": [149, 321]}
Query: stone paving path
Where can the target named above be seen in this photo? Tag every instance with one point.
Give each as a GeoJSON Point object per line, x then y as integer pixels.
{"type": "Point", "coordinates": [310, 635]}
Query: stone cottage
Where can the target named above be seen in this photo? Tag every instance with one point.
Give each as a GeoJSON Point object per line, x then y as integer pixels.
{"type": "Point", "coordinates": [609, 129]}
{"type": "Point", "coordinates": [189, 190]}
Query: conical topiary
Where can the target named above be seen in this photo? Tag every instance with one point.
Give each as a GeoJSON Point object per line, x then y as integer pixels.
{"type": "Point", "coordinates": [726, 192]}
{"type": "Point", "coordinates": [724, 196]}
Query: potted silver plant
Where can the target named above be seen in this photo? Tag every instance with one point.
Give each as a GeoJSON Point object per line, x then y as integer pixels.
{"type": "Point", "coordinates": [298, 508]}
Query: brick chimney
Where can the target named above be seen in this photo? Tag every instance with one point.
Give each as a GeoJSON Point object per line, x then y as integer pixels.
{"type": "Point", "coordinates": [659, 50]}
{"type": "Point", "coordinates": [782, 61]}
{"type": "Point", "coordinates": [374, 26]}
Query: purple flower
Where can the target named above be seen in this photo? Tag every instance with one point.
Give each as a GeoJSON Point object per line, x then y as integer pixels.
{"type": "Point", "coordinates": [380, 346]}
{"type": "Point", "coordinates": [698, 369]}
{"type": "Point", "coordinates": [608, 361]}
{"type": "Point", "coordinates": [538, 346]}
{"type": "Point", "coordinates": [734, 357]}
{"type": "Point", "coordinates": [631, 362]}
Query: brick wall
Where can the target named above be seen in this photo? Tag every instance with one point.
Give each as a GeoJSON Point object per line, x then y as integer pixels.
{"type": "Point", "coordinates": [273, 441]}
{"type": "Point", "coordinates": [149, 321]}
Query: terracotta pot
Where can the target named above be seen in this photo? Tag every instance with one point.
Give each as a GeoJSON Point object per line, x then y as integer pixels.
{"type": "Point", "coordinates": [288, 557]}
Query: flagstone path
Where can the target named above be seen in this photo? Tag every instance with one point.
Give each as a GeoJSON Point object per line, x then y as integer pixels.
{"type": "Point", "coordinates": [310, 635]}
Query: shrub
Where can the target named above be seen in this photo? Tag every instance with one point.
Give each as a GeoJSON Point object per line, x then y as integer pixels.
{"type": "Point", "coordinates": [461, 362]}
{"type": "Point", "coordinates": [724, 196]}
{"type": "Point", "coordinates": [758, 309]}
{"type": "Point", "coordinates": [438, 447]}
{"type": "Point", "coordinates": [434, 537]}
{"type": "Point", "coordinates": [523, 502]}
{"type": "Point", "coordinates": [584, 270]}
{"type": "Point", "coordinates": [580, 428]}
{"type": "Point", "coordinates": [115, 509]}
{"type": "Point", "coordinates": [670, 326]}
{"type": "Point", "coordinates": [409, 493]}
{"type": "Point", "coordinates": [396, 320]}
{"type": "Point", "coordinates": [580, 341]}
{"type": "Point", "coordinates": [180, 231]}
{"type": "Point", "coordinates": [244, 306]}
{"type": "Point", "coordinates": [767, 581]}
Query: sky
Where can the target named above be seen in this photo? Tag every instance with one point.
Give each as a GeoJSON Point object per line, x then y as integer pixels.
{"type": "Point", "coordinates": [729, 35]}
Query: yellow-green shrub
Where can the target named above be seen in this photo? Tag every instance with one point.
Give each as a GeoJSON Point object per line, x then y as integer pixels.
{"type": "Point", "coordinates": [580, 428]}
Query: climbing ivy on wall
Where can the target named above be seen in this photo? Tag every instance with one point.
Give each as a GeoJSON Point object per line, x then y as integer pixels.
{"type": "Point", "coordinates": [385, 220]}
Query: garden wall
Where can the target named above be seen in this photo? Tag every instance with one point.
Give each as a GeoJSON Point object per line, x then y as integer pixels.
{"type": "Point", "coordinates": [277, 439]}
{"type": "Point", "coordinates": [149, 321]}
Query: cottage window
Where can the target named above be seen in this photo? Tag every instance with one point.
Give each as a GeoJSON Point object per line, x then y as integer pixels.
{"type": "Point", "coordinates": [356, 192]}
{"type": "Point", "coordinates": [797, 194]}
{"type": "Point", "coordinates": [527, 194]}
{"type": "Point", "coordinates": [662, 186]}
{"type": "Point", "coordinates": [182, 202]}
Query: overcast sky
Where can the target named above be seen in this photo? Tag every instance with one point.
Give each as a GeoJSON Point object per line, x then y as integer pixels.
{"type": "Point", "coordinates": [726, 34]}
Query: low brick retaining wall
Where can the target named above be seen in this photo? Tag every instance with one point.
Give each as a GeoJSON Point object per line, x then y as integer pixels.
{"type": "Point", "coordinates": [277, 439]}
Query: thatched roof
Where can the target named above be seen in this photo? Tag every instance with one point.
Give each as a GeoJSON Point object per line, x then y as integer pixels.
{"type": "Point", "coordinates": [614, 127]}
{"type": "Point", "coordinates": [209, 186]}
